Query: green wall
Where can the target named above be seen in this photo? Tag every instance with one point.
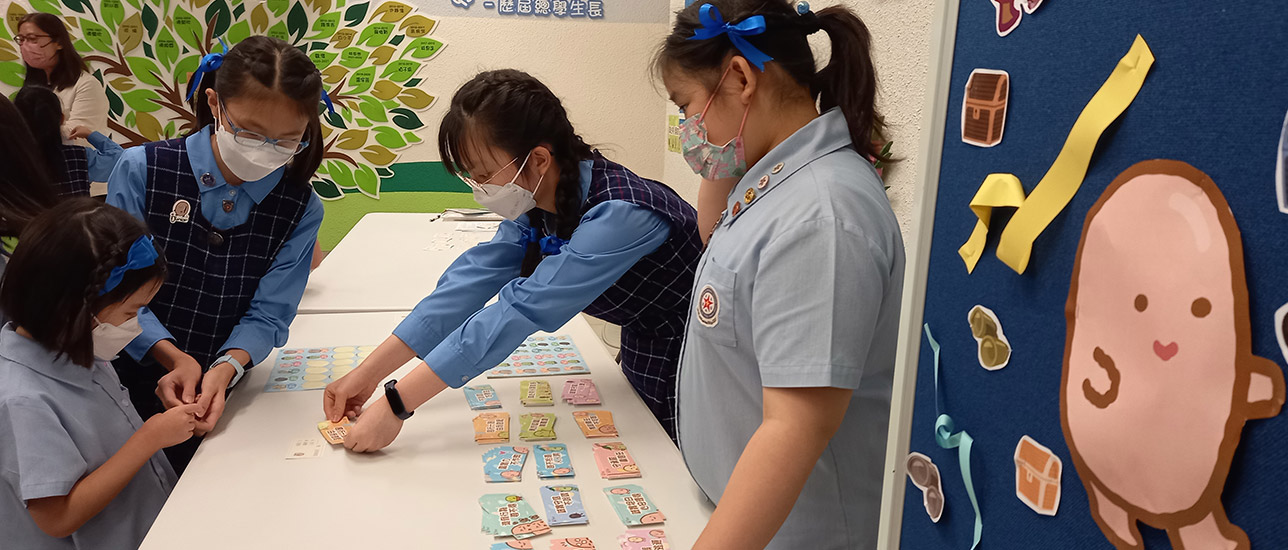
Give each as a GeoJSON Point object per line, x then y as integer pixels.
{"type": "Point", "coordinates": [414, 187]}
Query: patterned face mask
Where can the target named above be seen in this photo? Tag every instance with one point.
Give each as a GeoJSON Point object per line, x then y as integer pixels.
{"type": "Point", "coordinates": [713, 162]}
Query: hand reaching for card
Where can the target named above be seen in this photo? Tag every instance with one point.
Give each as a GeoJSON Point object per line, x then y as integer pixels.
{"type": "Point", "coordinates": [374, 430]}
{"type": "Point", "coordinates": [345, 396]}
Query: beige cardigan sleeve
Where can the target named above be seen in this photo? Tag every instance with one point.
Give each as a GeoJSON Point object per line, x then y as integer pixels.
{"type": "Point", "coordinates": [85, 104]}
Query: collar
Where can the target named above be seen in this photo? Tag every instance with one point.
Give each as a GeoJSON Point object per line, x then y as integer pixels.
{"type": "Point", "coordinates": [821, 136]}
{"type": "Point", "coordinates": [29, 353]}
{"type": "Point", "coordinates": [202, 158]}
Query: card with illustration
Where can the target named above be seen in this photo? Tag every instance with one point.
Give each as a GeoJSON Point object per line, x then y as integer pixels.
{"type": "Point", "coordinates": [581, 391]}
{"type": "Point", "coordinates": [542, 356]}
{"type": "Point", "coordinates": [492, 427]}
{"type": "Point", "coordinates": [536, 393]}
{"type": "Point", "coordinates": [335, 432]}
{"type": "Point", "coordinates": [481, 397]}
{"type": "Point", "coordinates": [614, 461]}
{"type": "Point", "coordinates": [503, 464]}
{"type": "Point", "coordinates": [563, 505]}
{"type": "Point", "coordinates": [509, 515]}
{"type": "Point", "coordinates": [633, 506]}
{"type": "Point", "coordinates": [553, 461]}
{"type": "Point", "coordinates": [644, 539]}
{"type": "Point", "coordinates": [580, 543]}
{"type": "Point", "coordinates": [512, 545]}
{"type": "Point", "coordinates": [595, 424]}
{"type": "Point", "coordinates": [537, 427]}
{"type": "Point", "coordinates": [299, 369]}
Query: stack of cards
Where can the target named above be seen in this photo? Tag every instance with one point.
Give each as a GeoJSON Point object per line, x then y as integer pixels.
{"type": "Point", "coordinates": [580, 391]}
{"type": "Point", "coordinates": [563, 505]}
{"type": "Point", "coordinates": [580, 543]}
{"type": "Point", "coordinates": [482, 397]}
{"type": "Point", "coordinates": [536, 393]}
{"type": "Point", "coordinates": [553, 461]}
{"type": "Point", "coordinates": [335, 432]}
{"type": "Point", "coordinates": [633, 506]}
{"type": "Point", "coordinates": [595, 423]}
{"type": "Point", "coordinates": [506, 515]}
{"type": "Point", "coordinates": [644, 539]}
{"type": "Point", "coordinates": [491, 428]}
{"type": "Point", "coordinates": [537, 427]}
{"type": "Point", "coordinates": [504, 464]}
{"type": "Point", "coordinates": [614, 461]}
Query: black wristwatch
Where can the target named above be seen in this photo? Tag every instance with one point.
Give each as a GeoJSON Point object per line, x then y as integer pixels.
{"type": "Point", "coordinates": [395, 401]}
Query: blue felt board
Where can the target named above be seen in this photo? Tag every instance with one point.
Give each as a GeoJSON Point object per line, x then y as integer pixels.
{"type": "Point", "coordinates": [1215, 98]}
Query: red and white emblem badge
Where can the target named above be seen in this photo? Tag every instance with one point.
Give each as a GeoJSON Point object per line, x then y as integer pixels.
{"type": "Point", "coordinates": [708, 307]}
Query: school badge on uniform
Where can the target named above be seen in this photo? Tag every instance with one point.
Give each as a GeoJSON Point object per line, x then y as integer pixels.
{"type": "Point", "coordinates": [180, 212]}
{"type": "Point", "coordinates": [708, 307]}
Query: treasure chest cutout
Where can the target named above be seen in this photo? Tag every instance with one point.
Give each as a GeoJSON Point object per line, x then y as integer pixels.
{"type": "Point", "coordinates": [1037, 476]}
{"type": "Point", "coordinates": [984, 107]}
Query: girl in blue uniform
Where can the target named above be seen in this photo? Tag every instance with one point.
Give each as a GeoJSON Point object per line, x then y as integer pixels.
{"type": "Point", "coordinates": [71, 166]}
{"type": "Point", "coordinates": [81, 469]}
{"type": "Point", "coordinates": [789, 352]}
{"type": "Point", "coordinates": [232, 207]}
{"type": "Point", "coordinates": [582, 234]}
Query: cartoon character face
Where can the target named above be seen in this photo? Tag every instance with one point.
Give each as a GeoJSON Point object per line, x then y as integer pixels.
{"type": "Point", "coordinates": [510, 474]}
{"type": "Point", "coordinates": [562, 471]}
{"type": "Point", "coordinates": [620, 491]}
{"type": "Point", "coordinates": [655, 517]}
{"type": "Point", "coordinates": [538, 526]}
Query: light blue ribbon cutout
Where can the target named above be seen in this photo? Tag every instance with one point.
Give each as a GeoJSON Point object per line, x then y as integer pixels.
{"type": "Point", "coordinates": [714, 25]}
{"type": "Point", "coordinates": [962, 441]}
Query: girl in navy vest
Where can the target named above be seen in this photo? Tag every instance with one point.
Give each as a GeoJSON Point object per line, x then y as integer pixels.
{"type": "Point", "coordinates": [71, 166]}
{"type": "Point", "coordinates": [583, 234]}
{"type": "Point", "coordinates": [232, 207]}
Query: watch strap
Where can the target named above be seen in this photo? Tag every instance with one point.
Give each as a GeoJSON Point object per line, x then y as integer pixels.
{"type": "Point", "coordinates": [241, 369]}
{"type": "Point", "coordinates": [395, 401]}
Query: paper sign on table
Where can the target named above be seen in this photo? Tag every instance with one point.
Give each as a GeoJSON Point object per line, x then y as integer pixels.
{"type": "Point", "coordinates": [493, 427]}
{"type": "Point", "coordinates": [335, 432]}
{"type": "Point", "coordinates": [503, 464]}
{"type": "Point", "coordinates": [581, 391]}
{"type": "Point", "coordinates": [595, 424]}
{"type": "Point", "coordinates": [614, 461]}
{"type": "Point", "coordinates": [536, 393]}
{"type": "Point", "coordinates": [308, 447]}
{"type": "Point", "coordinates": [553, 461]}
{"type": "Point", "coordinates": [537, 427]}
{"type": "Point", "coordinates": [482, 397]}
{"type": "Point", "coordinates": [563, 505]}
{"type": "Point", "coordinates": [580, 543]}
{"type": "Point", "coordinates": [542, 356]}
{"type": "Point", "coordinates": [644, 539]}
{"type": "Point", "coordinates": [509, 515]}
{"type": "Point", "coordinates": [633, 506]}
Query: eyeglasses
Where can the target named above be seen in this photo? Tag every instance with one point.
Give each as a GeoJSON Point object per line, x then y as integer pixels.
{"type": "Point", "coordinates": [475, 185]}
{"type": "Point", "coordinates": [255, 139]}
{"type": "Point", "coordinates": [33, 38]}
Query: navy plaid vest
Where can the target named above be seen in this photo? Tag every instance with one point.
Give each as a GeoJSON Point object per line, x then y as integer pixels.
{"type": "Point", "coordinates": [74, 179]}
{"type": "Point", "coordinates": [652, 298]}
{"type": "Point", "coordinates": [213, 273]}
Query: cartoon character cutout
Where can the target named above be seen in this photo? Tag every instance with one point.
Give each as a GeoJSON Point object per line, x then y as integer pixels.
{"type": "Point", "coordinates": [1159, 376]}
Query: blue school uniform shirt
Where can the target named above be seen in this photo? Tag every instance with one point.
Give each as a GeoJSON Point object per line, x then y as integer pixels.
{"type": "Point", "coordinates": [274, 305]}
{"type": "Point", "coordinates": [459, 341]}
{"type": "Point", "coordinates": [102, 157]}
{"type": "Point", "coordinates": [800, 287]}
{"type": "Point", "coordinates": [60, 422]}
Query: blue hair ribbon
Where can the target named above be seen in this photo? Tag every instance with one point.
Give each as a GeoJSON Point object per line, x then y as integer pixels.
{"type": "Point", "coordinates": [550, 245]}
{"type": "Point", "coordinates": [211, 63]}
{"type": "Point", "coordinates": [142, 254]}
{"type": "Point", "coordinates": [714, 25]}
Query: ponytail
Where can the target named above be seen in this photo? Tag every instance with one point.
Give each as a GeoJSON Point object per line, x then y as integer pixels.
{"type": "Point", "coordinates": [848, 82]}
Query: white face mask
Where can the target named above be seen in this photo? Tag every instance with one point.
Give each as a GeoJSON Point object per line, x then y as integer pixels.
{"type": "Point", "coordinates": [109, 340]}
{"type": "Point", "coordinates": [248, 163]}
{"type": "Point", "coordinates": [508, 201]}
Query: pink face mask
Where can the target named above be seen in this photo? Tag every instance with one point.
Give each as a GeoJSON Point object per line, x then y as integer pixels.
{"type": "Point", "coordinates": [39, 57]}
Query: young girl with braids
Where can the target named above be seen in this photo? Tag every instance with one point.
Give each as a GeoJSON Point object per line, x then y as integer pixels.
{"type": "Point", "coordinates": [81, 469]}
{"type": "Point", "coordinates": [789, 352]}
{"type": "Point", "coordinates": [232, 207]}
{"type": "Point", "coordinates": [582, 234]}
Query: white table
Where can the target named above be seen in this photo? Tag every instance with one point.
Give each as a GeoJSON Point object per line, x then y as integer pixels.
{"type": "Point", "coordinates": [388, 262]}
{"type": "Point", "coordinates": [420, 492]}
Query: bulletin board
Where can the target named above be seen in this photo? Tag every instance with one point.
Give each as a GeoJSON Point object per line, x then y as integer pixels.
{"type": "Point", "coordinates": [1215, 98]}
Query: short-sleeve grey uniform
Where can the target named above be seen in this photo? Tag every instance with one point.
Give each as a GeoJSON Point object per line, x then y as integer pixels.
{"type": "Point", "coordinates": [59, 422]}
{"type": "Point", "coordinates": [799, 287]}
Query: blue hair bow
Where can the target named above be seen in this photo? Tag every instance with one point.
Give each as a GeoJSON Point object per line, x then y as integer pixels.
{"type": "Point", "coordinates": [550, 244]}
{"type": "Point", "coordinates": [142, 254]}
{"type": "Point", "coordinates": [211, 63]}
{"type": "Point", "coordinates": [714, 25]}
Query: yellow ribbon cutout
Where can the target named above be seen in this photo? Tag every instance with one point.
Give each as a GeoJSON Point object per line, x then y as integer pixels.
{"type": "Point", "coordinates": [1065, 176]}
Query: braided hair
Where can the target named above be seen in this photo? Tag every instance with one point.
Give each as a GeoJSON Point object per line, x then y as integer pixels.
{"type": "Point", "coordinates": [515, 112]}
{"type": "Point", "coordinates": [265, 67]}
{"type": "Point", "coordinates": [52, 285]}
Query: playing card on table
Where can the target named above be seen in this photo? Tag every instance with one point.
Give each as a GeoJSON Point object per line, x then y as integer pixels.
{"type": "Point", "coordinates": [579, 543]}
{"type": "Point", "coordinates": [633, 506]}
{"type": "Point", "coordinates": [482, 397]}
{"type": "Point", "coordinates": [615, 461]}
{"type": "Point", "coordinates": [536, 393]}
{"type": "Point", "coordinates": [504, 464]}
{"type": "Point", "coordinates": [644, 539]}
{"type": "Point", "coordinates": [581, 391]}
{"type": "Point", "coordinates": [595, 424]}
{"type": "Point", "coordinates": [553, 461]}
{"type": "Point", "coordinates": [512, 545]}
{"type": "Point", "coordinates": [563, 505]}
{"type": "Point", "coordinates": [537, 427]}
{"type": "Point", "coordinates": [509, 515]}
{"type": "Point", "coordinates": [307, 447]}
{"type": "Point", "coordinates": [493, 427]}
{"type": "Point", "coordinates": [335, 432]}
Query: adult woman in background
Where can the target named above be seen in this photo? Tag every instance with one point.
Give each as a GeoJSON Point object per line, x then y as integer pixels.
{"type": "Point", "coordinates": [53, 62]}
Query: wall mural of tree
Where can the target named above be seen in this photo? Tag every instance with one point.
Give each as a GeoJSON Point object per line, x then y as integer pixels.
{"type": "Point", "coordinates": [144, 51]}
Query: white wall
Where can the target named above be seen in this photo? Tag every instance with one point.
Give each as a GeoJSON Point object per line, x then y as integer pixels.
{"type": "Point", "coordinates": [902, 47]}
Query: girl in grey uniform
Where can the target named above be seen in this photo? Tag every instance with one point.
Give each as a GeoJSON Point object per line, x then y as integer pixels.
{"type": "Point", "coordinates": [790, 345]}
